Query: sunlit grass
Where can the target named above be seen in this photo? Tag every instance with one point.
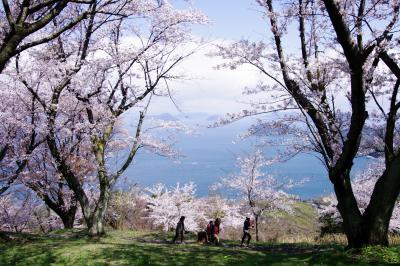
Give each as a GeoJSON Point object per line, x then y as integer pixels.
{"type": "Point", "coordinates": [154, 248]}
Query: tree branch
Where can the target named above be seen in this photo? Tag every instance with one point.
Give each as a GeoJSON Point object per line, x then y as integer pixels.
{"type": "Point", "coordinates": [9, 16]}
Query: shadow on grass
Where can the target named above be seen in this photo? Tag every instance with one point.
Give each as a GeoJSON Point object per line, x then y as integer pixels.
{"type": "Point", "coordinates": [130, 248]}
{"type": "Point", "coordinates": [207, 255]}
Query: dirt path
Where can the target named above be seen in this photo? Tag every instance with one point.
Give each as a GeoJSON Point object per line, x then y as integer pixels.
{"type": "Point", "coordinates": [279, 248]}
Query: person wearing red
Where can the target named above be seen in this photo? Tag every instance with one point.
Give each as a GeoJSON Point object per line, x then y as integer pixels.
{"type": "Point", "coordinates": [215, 232]}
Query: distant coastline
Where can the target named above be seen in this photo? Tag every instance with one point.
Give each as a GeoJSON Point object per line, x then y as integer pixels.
{"type": "Point", "coordinates": [211, 154]}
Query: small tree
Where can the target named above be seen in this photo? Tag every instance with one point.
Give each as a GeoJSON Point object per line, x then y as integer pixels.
{"type": "Point", "coordinates": [168, 205]}
{"type": "Point", "coordinates": [229, 211]}
{"type": "Point", "coordinates": [259, 191]}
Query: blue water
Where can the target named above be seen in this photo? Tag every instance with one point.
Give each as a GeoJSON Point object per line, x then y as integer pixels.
{"type": "Point", "coordinates": [211, 155]}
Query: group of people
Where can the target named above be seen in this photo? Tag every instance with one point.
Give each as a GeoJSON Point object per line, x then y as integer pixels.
{"type": "Point", "coordinates": [211, 233]}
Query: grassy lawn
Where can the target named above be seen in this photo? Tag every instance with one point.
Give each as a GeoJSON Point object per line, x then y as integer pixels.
{"type": "Point", "coordinates": [132, 248]}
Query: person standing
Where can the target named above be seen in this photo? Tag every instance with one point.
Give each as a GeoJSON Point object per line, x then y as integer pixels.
{"type": "Point", "coordinates": [215, 231]}
{"type": "Point", "coordinates": [210, 230]}
{"type": "Point", "coordinates": [246, 231]}
{"type": "Point", "coordinates": [180, 229]}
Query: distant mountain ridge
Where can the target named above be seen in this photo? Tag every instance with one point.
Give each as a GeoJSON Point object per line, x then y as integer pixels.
{"type": "Point", "coordinates": [188, 116]}
{"type": "Point", "coordinates": [165, 117]}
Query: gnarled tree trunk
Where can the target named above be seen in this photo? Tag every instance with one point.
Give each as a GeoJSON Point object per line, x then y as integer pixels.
{"type": "Point", "coordinates": [379, 211]}
{"type": "Point", "coordinates": [347, 206]}
{"type": "Point", "coordinates": [68, 218]}
{"type": "Point", "coordinates": [96, 224]}
{"type": "Point", "coordinates": [370, 228]}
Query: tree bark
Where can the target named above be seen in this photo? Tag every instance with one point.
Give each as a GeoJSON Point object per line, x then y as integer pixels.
{"type": "Point", "coordinates": [96, 224]}
{"type": "Point", "coordinates": [7, 50]}
{"type": "Point", "coordinates": [379, 211]}
{"type": "Point", "coordinates": [68, 218]}
{"type": "Point", "coordinates": [370, 228]}
{"type": "Point", "coordinates": [256, 221]}
{"type": "Point", "coordinates": [347, 206]}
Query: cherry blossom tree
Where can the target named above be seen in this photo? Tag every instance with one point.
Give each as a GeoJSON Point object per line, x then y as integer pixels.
{"type": "Point", "coordinates": [28, 24]}
{"type": "Point", "coordinates": [43, 178]}
{"type": "Point", "coordinates": [21, 119]}
{"type": "Point", "coordinates": [155, 59]}
{"type": "Point", "coordinates": [168, 205]}
{"type": "Point", "coordinates": [34, 167]}
{"type": "Point", "coordinates": [27, 161]}
{"type": "Point", "coordinates": [19, 132]}
{"type": "Point", "coordinates": [326, 92]}
{"type": "Point", "coordinates": [13, 217]}
{"type": "Point", "coordinates": [229, 211]}
{"type": "Point", "coordinates": [21, 211]}
{"type": "Point", "coordinates": [88, 84]}
{"type": "Point", "coordinates": [260, 192]}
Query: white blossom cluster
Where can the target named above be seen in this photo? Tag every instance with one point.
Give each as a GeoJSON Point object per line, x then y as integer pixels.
{"type": "Point", "coordinates": [167, 205]}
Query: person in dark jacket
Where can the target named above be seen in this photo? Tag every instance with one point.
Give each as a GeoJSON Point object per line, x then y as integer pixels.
{"type": "Point", "coordinates": [180, 229]}
{"type": "Point", "coordinates": [209, 230]}
{"type": "Point", "coordinates": [246, 231]}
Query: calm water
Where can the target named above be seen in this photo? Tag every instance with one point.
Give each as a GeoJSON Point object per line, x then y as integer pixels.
{"type": "Point", "coordinates": [212, 154]}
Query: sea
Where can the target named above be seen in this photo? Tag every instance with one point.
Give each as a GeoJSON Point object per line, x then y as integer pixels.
{"type": "Point", "coordinates": [211, 153]}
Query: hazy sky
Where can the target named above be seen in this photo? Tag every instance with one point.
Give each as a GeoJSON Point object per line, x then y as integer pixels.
{"type": "Point", "coordinates": [209, 90]}
{"type": "Point", "coordinates": [230, 19]}
{"type": "Point", "coordinates": [220, 91]}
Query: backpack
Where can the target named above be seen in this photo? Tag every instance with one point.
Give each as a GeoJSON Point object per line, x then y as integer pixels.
{"type": "Point", "coordinates": [208, 229]}
{"type": "Point", "coordinates": [251, 223]}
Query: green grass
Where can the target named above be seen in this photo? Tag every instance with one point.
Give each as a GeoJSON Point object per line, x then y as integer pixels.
{"type": "Point", "coordinates": [300, 223]}
{"type": "Point", "coordinates": [304, 217]}
{"type": "Point", "coordinates": [132, 248]}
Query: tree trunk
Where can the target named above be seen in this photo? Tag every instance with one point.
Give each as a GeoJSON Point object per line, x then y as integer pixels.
{"type": "Point", "coordinates": [376, 233]}
{"type": "Point", "coordinates": [347, 206]}
{"type": "Point", "coordinates": [67, 215]}
{"type": "Point", "coordinates": [96, 224]}
{"type": "Point", "coordinates": [372, 227]}
{"type": "Point", "coordinates": [256, 221]}
{"type": "Point", "coordinates": [379, 211]}
{"type": "Point", "coordinates": [68, 218]}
